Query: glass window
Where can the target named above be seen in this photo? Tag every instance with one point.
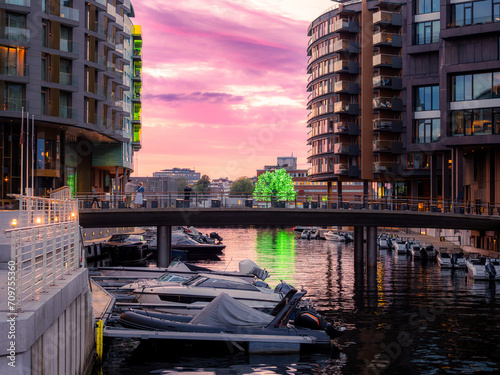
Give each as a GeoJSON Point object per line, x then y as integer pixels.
{"type": "Point", "coordinates": [481, 11]}
{"type": "Point", "coordinates": [496, 120]}
{"type": "Point", "coordinates": [481, 124]}
{"type": "Point", "coordinates": [482, 86]}
{"type": "Point", "coordinates": [427, 98]}
{"type": "Point", "coordinates": [458, 14]}
{"type": "Point", "coordinates": [436, 130]}
{"type": "Point", "coordinates": [427, 32]}
{"type": "Point", "coordinates": [427, 6]}
{"type": "Point", "coordinates": [467, 14]}
{"type": "Point", "coordinates": [496, 10]}
{"type": "Point", "coordinates": [468, 87]}
{"type": "Point", "coordinates": [457, 123]}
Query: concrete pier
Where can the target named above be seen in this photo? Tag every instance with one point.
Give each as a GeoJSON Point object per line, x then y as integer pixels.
{"type": "Point", "coordinates": [164, 245]}
{"type": "Point", "coordinates": [371, 247]}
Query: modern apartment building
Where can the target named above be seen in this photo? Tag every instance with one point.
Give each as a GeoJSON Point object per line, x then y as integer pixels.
{"type": "Point", "coordinates": [73, 68]}
{"type": "Point", "coordinates": [405, 95]}
{"type": "Point", "coordinates": [191, 176]}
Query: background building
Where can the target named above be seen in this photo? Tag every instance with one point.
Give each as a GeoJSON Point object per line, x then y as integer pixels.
{"type": "Point", "coordinates": [74, 66]}
{"type": "Point", "coordinates": [221, 185]}
{"type": "Point", "coordinates": [405, 95]}
{"type": "Point", "coordinates": [191, 176]}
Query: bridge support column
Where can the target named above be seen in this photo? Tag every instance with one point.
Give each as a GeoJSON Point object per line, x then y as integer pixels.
{"type": "Point", "coordinates": [164, 245]}
{"type": "Point", "coordinates": [358, 246]}
{"type": "Point", "coordinates": [371, 247]}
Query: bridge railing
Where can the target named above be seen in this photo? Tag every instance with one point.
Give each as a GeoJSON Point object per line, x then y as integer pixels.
{"type": "Point", "coordinates": [300, 201]}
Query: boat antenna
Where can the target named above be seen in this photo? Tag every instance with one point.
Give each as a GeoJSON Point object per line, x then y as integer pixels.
{"type": "Point", "coordinates": [230, 260]}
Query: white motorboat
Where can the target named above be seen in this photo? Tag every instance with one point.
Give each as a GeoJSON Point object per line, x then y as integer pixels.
{"type": "Point", "coordinates": [416, 251]}
{"type": "Point", "coordinates": [332, 236]}
{"type": "Point", "coordinates": [429, 250]}
{"type": "Point", "coordinates": [301, 228]}
{"type": "Point", "coordinates": [383, 242]}
{"type": "Point", "coordinates": [310, 234]}
{"type": "Point", "coordinates": [454, 260]}
{"type": "Point", "coordinates": [400, 247]}
{"type": "Point", "coordinates": [248, 270]}
{"type": "Point", "coordinates": [480, 267]}
{"type": "Point", "coordinates": [191, 296]}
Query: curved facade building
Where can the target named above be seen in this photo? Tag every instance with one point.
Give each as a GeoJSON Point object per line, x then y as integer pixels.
{"type": "Point", "coordinates": [74, 69]}
{"type": "Point", "coordinates": [355, 134]}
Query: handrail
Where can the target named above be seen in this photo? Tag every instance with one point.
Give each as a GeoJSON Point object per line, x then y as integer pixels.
{"type": "Point", "coordinates": [175, 199]}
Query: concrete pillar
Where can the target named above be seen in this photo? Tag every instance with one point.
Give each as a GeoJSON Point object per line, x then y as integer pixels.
{"type": "Point", "coordinates": [117, 182]}
{"type": "Point", "coordinates": [339, 194]}
{"type": "Point", "coordinates": [365, 193]}
{"type": "Point", "coordinates": [446, 178]}
{"type": "Point", "coordinates": [164, 245]}
{"type": "Point", "coordinates": [358, 245]}
{"type": "Point", "coordinates": [434, 178]}
{"type": "Point", "coordinates": [329, 194]}
{"type": "Point", "coordinates": [371, 247]}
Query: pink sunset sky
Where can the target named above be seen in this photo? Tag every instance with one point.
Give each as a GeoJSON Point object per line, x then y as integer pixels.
{"type": "Point", "coordinates": [224, 84]}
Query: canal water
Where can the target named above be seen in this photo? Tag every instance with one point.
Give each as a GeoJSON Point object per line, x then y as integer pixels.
{"type": "Point", "coordinates": [416, 319]}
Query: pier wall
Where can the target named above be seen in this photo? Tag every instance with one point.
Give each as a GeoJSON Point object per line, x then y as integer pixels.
{"type": "Point", "coordinates": [53, 334]}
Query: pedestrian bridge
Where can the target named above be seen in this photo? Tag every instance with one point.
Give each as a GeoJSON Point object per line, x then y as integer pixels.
{"type": "Point", "coordinates": [284, 217]}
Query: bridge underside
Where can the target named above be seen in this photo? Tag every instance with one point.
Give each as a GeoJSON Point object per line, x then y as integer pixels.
{"type": "Point", "coordinates": [284, 218]}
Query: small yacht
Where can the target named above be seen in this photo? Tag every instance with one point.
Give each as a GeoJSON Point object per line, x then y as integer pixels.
{"type": "Point", "coordinates": [189, 297]}
{"type": "Point", "coordinates": [332, 236]}
{"type": "Point", "coordinates": [383, 242]}
{"type": "Point", "coordinates": [400, 246]}
{"type": "Point", "coordinates": [454, 260]}
{"type": "Point", "coordinates": [480, 267]}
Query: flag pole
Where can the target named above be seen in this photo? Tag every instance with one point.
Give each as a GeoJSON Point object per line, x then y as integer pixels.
{"type": "Point", "coordinates": [27, 152]}
{"type": "Point", "coordinates": [21, 141]}
{"type": "Point", "coordinates": [33, 154]}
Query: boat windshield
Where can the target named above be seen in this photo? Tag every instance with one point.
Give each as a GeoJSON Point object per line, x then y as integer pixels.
{"type": "Point", "coordinates": [207, 282]}
{"type": "Point", "coordinates": [173, 278]}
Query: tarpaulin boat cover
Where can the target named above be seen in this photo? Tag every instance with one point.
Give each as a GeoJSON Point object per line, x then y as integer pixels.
{"type": "Point", "coordinates": [249, 266]}
{"type": "Point", "coordinates": [225, 311]}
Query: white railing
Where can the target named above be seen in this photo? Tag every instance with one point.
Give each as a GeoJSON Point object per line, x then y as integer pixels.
{"type": "Point", "coordinates": [45, 246]}
{"type": "Point", "coordinates": [40, 256]}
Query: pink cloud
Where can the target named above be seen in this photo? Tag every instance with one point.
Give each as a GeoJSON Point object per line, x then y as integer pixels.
{"type": "Point", "coordinates": [221, 83]}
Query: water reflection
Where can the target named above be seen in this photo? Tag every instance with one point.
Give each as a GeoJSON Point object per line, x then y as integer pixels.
{"type": "Point", "coordinates": [405, 317]}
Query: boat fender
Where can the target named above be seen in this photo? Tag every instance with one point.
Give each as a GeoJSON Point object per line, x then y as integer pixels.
{"type": "Point", "coordinates": [490, 269]}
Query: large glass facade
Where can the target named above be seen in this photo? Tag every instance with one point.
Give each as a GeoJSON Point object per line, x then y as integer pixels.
{"type": "Point", "coordinates": [475, 86]}
{"type": "Point", "coordinates": [427, 32]}
{"type": "Point", "coordinates": [475, 12]}
{"type": "Point", "coordinates": [426, 98]}
{"type": "Point", "coordinates": [427, 6]}
{"type": "Point", "coordinates": [483, 121]}
{"type": "Point", "coordinates": [427, 131]}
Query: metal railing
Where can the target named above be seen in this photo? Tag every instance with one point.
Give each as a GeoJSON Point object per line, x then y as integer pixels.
{"type": "Point", "coordinates": [45, 246]}
{"type": "Point", "coordinates": [168, 200]}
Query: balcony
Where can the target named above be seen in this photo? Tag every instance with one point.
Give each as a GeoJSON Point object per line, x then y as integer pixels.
{"type": "Point", "coordinates": [97, 59]}
{"type": "Point", "coordinates": [69, 46]}
{"type": "Point", "coordinates": [382, 166]}
{"type": "Point", "coordinates": [345, 26]}
{"type": "Point", "coordinates": [346, 107]}
{"type": "Point", "coordinates": [344, 128]}
{"type": "Point", "coordinates": [13, 104]}
{"type": "Point", "coordinates": [97, 90]}
{"type": "Point", "coordinates": [346, 87]}
{"type": "Point", "coordinates": [384, 103]}
{"type": "Point", "coordinates": [69, 13]}
{"type": "Point", "coordinates": [388, 82]}
{"type": "Point", "coordinates": [344, 45]}
{"type": "Point", "coordinates": [387, 61]}
{"type": "Point", "coordinates": [345, 66]}
{"type": "Point", "coordinates": [345, 149]}
{"type": "Point", "coordinates": [389, 125]}
{"type": "Point", "coordinates": [341, 168]}
{"type": "Point", "coordinates": [22, 3]}
{"type": "Point", "coordinates": [68, 79]}
{"type": "Point", "coordinates": [384, 17]}
{"type": "Point", "coordinates": [15, 34]}
{"type": "Point", "coordinates": [15, 71]}
{"type": "Point", "coordinates": [387, 39]}
{"type": "Point", "coordinates": [389, 146]}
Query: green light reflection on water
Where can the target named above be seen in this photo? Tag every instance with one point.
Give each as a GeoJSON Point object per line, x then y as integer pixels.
{"type": "Point", "coordinates": [276, 252]}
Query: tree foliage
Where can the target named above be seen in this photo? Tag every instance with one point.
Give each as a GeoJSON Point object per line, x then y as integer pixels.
{"type": "Point", "coordinates": [203, 184]}
{"type": "Point", "coordinates": [242, 186]}
{"type": "Point", "coordinates": [277, 185]}
{"type": "Point", "coordinates": [181, 184]}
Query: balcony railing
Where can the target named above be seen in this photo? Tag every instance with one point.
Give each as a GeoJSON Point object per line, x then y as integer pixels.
{"type": "Point", "coordinates": [16, 34]}
{"type": "Point", "coordinates": [386, 17]}
{"type": "Point", "coordinates": [70, 13]}
{"type": "Point", "coordinates": [16, 71]}
{"type": "Point", "coordinates": [341, 86]}
{"type": "Point", "coordinates": [384, 60]}
{"type": "Point", "coordinates": [387, 82]}
{"type": "Point", "coordinates": [387, 39]}
{"type": "Point", "coordinates": [387, 103]}
{"type": "Point", "coordinates": [68, 112]}
{"type": "Point", "coordinates": [383, 145]}
{"type": "Point", "coordinates": [97, 59]}
{"type": "Point", "coordinates": [69, 46]}
{"type": "Point", "coordinates": [340, 128]}
{"type": "Point", "coordinates": [13, 104]}
{"type": "Point", "coordinates": [341, 168]}
{"type": "Point", "coordinates": [382, 166]}
{"type": "Point", "coordinates": [385, 124]}
{"type": "Point", "coordinates": [340, 65]}
{"type": "Point", "coordinates": [68, 79]}
{"type": "Point", "coordinates": [23, 3]}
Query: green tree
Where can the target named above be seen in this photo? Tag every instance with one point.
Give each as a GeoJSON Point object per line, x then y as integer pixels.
{"type": "Point", "coordinates": [181, 184]}
{"type": "Point", "coordinates": [277, 185]}
{"type": "Point", "coordinates": [242, 186]}
{"type": "Point", "coordinates": [203, 184]}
